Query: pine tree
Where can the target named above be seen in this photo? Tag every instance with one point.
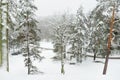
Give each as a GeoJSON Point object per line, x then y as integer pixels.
{"type": "Point", "coordinates": [101, 26]}
{"type": "Point", "coordinates": [100, 18]}
{"type": "Point", "coordinates": [109, 40]}
{"type": "Point", "coordinates": [61, 38]}
{"type": "Point", "coordinates": [24, 33]}
{"type": "Point", "coordinates": [79, 36]}
{"type": "Point", "coordinates": [59, 44]}
{"type": "Point", "coordinates": [31, 35]}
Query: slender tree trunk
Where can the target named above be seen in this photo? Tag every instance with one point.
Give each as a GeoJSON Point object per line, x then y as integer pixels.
{"type": "Point", "coordinates": [0, 34]}
{"type": "Point", "coordinates": [62, 62]}
{"type": "Point", "coordinates": [62, 57]}
{"type": "Point", "coordinates": [28, 50]}
{"type": "Point", "coordinates": [106, 62]}
{"type": "Point", "coordinates": [7, 42]}
{"type": "Point", "coordinates": [4, 31]}
{"type": "Point", "coordinates": [109, 41]}
{"type": "Point", "coordinates": [94, 56]}
{"type": "Point", "coordinates": [28, 57]}
{"type": "Point", "coordinates": [64, 51]}
{"type": "Point", "coordinates": [95, 53]}
{"type": "Point", "coordinates": [7, 53]}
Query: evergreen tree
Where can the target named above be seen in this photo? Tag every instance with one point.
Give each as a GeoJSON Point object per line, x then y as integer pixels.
{"type": "Point", "coordinates": [79, 36]}
{"type": "Point", "coordinates": [61, 37]}
{"type": "Point", "coordinates": [29, 25]}
{"type": "Point", "coordinates": [106, 21]}
{"type": "Point", "coordinates": [25, 33]}
{"type": "Point", "coordinates": [101, 17]}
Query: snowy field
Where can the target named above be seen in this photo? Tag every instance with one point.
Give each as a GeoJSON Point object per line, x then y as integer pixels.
{"type": "Point", "coordinates": [88, 70]}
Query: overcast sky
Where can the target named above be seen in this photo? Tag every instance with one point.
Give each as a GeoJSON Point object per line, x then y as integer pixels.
{"type": "Point", "coordinates": [50, 7]}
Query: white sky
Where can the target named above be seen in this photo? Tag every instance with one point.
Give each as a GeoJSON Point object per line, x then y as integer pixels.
{"type": "Point", "coordinates": [50, 7]}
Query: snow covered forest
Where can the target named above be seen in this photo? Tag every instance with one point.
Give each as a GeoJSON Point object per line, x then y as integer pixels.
{"type": "Point", "coordinates": [65, 46]}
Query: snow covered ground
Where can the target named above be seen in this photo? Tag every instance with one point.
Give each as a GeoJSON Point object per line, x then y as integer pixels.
{"type": "Point", "coordinates": [88, 70]}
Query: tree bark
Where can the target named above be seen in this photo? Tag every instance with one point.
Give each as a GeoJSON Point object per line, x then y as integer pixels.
{"type": "Point", "coordinates": [95, 53]}
{"type": "Point", "coordinates": [109, 41]}
{"type": "Point", "coordinates": [28, 45]}
{"type": "Point", "coordinates": [0, 34]}
{"type": "Point", "coordinates": [7, 42]}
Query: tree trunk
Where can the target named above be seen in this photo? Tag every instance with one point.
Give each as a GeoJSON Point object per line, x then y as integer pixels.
{"type": "Point", "coordinates": [95, 53]}
{"type": "Point", "coordinates": [7, 42]}
{"type": "Point", "coordinates": [109, 41]}
{"type": "Point", "coordinates": [7, 53]}
{"type": "Point", "coordinates": [106, 63]}
{"type": "Point", "coordinates": [94, 56]}
{"type": "Point", "coordinates": [0, 34]}
{"type": "Point", "coordinates": [64, 51]}
{"type": "Point", "coordinates": [62, 57]}
{"type": "Point", "coordinates": [28, 52]}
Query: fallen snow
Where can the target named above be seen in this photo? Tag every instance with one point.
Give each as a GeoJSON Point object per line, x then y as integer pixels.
{"type": "Point", "coordinates": [88, 70]}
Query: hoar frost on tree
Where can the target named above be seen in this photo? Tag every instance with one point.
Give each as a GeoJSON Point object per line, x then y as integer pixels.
{"type": "Point", "coordinates": [79, 38]}
{"type": "Point", "coordinates": [100, 18]}
{"type": "Point", "coordinates": [61, 38]}
{"type": "Point", "coordinates": [24, 34]}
